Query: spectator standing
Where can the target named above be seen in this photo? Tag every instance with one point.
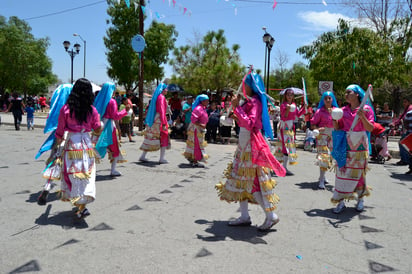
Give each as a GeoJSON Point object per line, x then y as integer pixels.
{"type": "Point", "coordinates": [42, 102]}
{"type": "Point", "coordinates": [385, 115]}
{"type": "Point", "coordinates": [213, 123]}
{"type": "Point", "coordinates": [407, 106]}
{"type": "Point", "coordinates": [125, 121]}
{"type": "Point", "coordinates": [175, 105]}
{"type": "Point", "coordinates": [16, 106]}
{"type": "Point", "coordinates": [187, 112]}
{"type": "Point", "coordinates": [30, 116]}
{"type": "Point", "coordinates": [226, 122]}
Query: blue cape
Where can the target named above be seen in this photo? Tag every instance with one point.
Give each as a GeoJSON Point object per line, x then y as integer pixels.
{"type": "Point", "coordinates": [100, 103]}
{"type": "Point", "coordinates": [151, 113]}
{"type": "Point", "coordinates": [58, 100]}
{"type": "Point", "coordinates": [254, 81]}
{"type": "Point", "coordinates": [103, 97]}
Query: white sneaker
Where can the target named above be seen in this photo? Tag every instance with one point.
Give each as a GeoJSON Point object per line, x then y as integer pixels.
{"type": "Point", "coordinates": [115, 173]}
{"type": "Point", "coordinates": [267, 224]}
{"type": "Point", "coordinates": [339, 208]}
{"type": "Point", "coordinates": [163, 161]}
{"type": "Point", "coordinates": [359, 205]}
{"type": "Point", "coordinates": [240, 222]}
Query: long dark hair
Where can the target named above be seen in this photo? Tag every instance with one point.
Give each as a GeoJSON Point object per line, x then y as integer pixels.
{"type": "Point", "coordinates": [80, 100]}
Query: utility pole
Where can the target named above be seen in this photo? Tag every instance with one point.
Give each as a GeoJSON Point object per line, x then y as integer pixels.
{"type": "Point", "coordinates": [141, 61]}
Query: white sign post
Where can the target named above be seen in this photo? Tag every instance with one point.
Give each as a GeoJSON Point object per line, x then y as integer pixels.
{"type": "Point", "coordinates": [325, 86]}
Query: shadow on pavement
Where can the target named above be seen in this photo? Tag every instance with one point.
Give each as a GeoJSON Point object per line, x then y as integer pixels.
{"type": "Point", "coordinates": [65, 219]}
{"type": "Point", "coordinates": [401, 176]}
{"type": "Point", "coordinates": [50, 198]}
{"type": "Point", "coordinates": [345, 216]}
{"type": "Point", "coordinates": [104, 178]}
{"type": "Point", "coordinates": [314, 186]}
{"type": "Point", "coordinates": [220, 231]}
{"type": "Point", "coordinates": [147, 164]}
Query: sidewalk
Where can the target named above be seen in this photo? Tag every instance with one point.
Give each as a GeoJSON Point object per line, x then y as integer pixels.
{"type": "Point", "coordinates": [40, 120]}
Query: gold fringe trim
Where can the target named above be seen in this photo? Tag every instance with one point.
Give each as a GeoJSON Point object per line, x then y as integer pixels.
{"type": "Point", "coordinates": [233, 196]}
{"type": "Point", "coordinates": [78, 154]}
{"type": "Point", "coordinates": [268, 185]}
{"type": "Point", "coordinates": [246, 156]}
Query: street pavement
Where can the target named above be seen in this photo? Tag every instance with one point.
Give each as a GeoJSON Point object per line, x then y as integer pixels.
{"type": "Point", "coordinates": [168, 219]}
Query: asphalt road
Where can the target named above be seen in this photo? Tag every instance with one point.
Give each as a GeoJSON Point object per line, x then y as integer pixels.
{"type": "Point", "coordinates": [168, 219]}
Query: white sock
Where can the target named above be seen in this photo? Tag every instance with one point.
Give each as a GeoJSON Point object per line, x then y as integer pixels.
{"type": "Point", "coordinates": [285, 161]}
{"type": "Point", "coordinates": [162, 153]}
{"type": "Point", "coordinates": [322, 175]}
{"type": "Point", "coordinates": [244, 212]}
{"type": "Point", "coordinates": [258, 197]}
{"type": "Point", "coordinates": [143, 156]}
{"type": "Point", "coordinates": [114, 163]}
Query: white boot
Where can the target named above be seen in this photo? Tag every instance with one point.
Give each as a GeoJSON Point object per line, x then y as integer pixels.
{"type": "Point", "coordinates": [244, 219]}
{"type": "Point", "coordinates": [339, 208]}
{"type": "Point", "coordinates": [143, 157]}
{"type": "Point", "coordinates": [285, 165]}
{"type": "Point", "coordinates": [359, 205]}
{"type": "Point", "coordinates": [271, 217]}
{"type": "Point", "coordinates": [114, 172]}
{"type": "Point", "coordinates": [162, 159]}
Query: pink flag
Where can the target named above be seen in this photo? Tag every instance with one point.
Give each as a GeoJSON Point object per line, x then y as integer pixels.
{"type": "Point", "coordinates": [174, 3]}
{"type": "Point", "coordinates": [184, 10]}
{"type": "Point", "coordinates": [274, 5]}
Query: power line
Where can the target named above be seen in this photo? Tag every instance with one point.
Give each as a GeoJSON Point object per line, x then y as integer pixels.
{"type": "Point", "coordinates": [64, 11]}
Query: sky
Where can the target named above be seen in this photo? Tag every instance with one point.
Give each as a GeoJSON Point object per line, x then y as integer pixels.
{"type": "Point", "coordinates": [293, 23]}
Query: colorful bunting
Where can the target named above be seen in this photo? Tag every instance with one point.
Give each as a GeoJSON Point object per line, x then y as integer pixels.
{"type": "Point", "coordinates": [275, 3]}
{"type": "Point", "coordinates": [127, 3]}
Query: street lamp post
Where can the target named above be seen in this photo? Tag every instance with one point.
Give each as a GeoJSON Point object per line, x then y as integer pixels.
{"type": "Point", "coordinates": [73, 52]}
{"type": "Point", "coordinates": [269, 42]}
{"type": "Point", "coordinates": [84, 53]}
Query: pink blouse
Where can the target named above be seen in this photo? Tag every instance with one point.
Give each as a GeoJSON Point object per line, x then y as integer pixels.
{"type": "Point", "coordinates": [111, 111]}
{"type": "Point", "coordinates": [349, 115]}
{"type": "Point", "coordinates": [250, 114]}
{"type": "Point", "coordinates": [199, 115]}
{"type": "Point", "coordinates": [291, 115]}
{"type": "Point", "coordinates": [161, 107]}
{"type": "Point", "coordinates": [322, 118]}
{"type": "Point", "coordinates": [67, 123]}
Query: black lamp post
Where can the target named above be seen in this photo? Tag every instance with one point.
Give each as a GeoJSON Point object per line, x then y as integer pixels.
{"type": "Point", "coordinates": [84, 53]}
{"type": "Point", "coordinates": [269, 42]}
{"type": "Point", "coordinates": [73, 52]}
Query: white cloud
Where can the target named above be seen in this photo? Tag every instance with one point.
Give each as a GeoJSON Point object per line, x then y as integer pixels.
{"type": "Point", "coordinates": [321, 21]}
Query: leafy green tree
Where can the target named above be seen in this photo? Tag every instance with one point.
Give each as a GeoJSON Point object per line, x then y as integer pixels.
{"type": "Point", "coordinates": [24, 64]}
{"type": "Point", "coordinates": [124, 62]}
{"type": "Point", "coordinates": [352, 55]}
{"type": "Point", "coordinates": [209, 64]}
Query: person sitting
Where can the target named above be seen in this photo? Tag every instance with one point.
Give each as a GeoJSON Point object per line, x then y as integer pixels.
{"type": "Point", "coordinates": [178, 128]}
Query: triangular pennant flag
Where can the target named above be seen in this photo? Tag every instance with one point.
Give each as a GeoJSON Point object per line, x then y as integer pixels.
{"type": "Point", "coordinates": [170, 3]}
{"type": "Point", "coordinates": [143, 9]}
{"type": "Point", "coordinates": [174, 3]}
{"type": "Point", "coordinates": [184, 10]}
{"type": "Point", "coordinates": [157, 15]}
{"type": "Point", "coordinates": [324, 2]}
{"type": "Point", "coordinates": [136, 6]}
{"type": "Point", "coordinates": [235, 11]}
{"type": "Point", "coordinates": [127, 3]}
{"type": "Point", "coordinates": [275, 3]}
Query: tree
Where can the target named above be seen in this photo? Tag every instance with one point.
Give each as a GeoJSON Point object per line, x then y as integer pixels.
{"type": "Point", "coordinates": [123, 61]}
{"type": "Point", "coordinates": [391, 19]}
{"type": "Point", "coordinates": [209, 64]}
{"type": "Point", "coordinates": [24, 64]}
{"type": "Point", "coordinates": [354, 55]}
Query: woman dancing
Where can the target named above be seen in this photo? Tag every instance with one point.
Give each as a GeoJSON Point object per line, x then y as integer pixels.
{"type": "Point", "coordinates": [351, 151]}
{"type": "Point", "coordinates": [248, 176]}
{"type": "Point", "coordinates": [195, 143]}
{"type": "Point", "coordinates": [285, 146]}
{"type": "Point", "coordinates": [323, 122]}
{"type": "Point", "coordinates": [78, 117]}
